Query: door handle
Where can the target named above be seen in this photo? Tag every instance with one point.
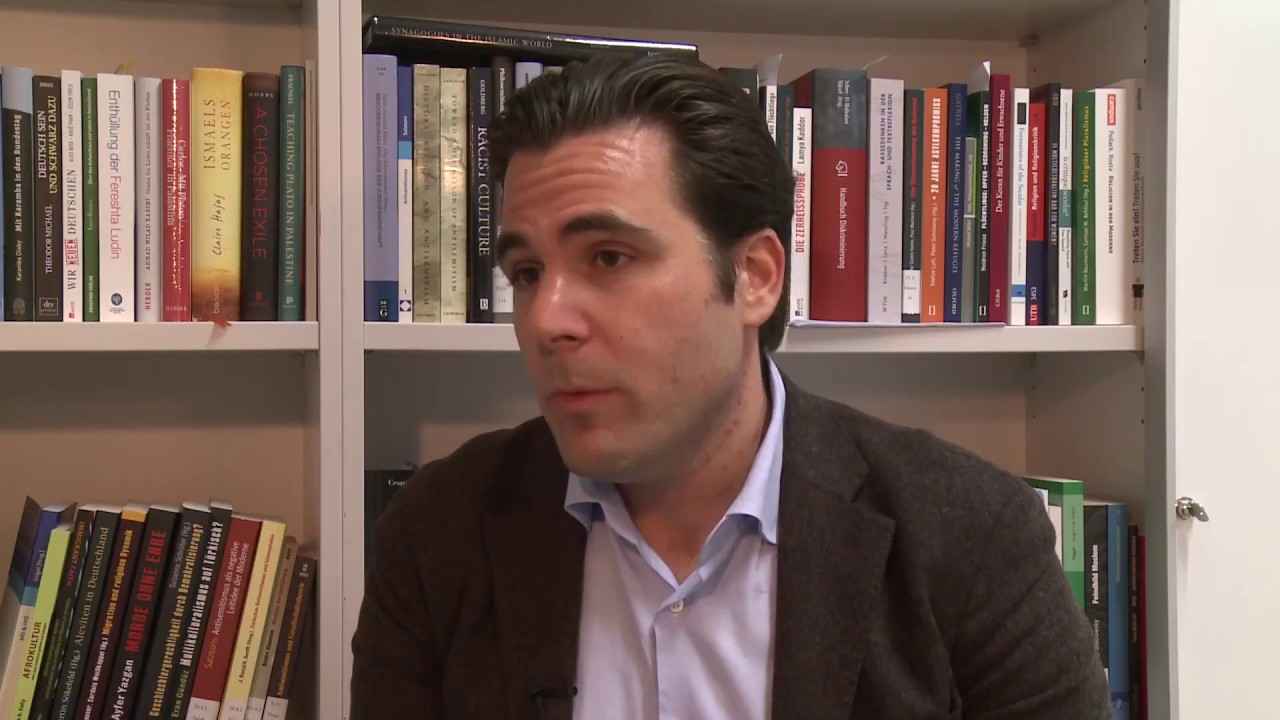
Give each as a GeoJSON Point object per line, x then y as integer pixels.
{"type": "Point", "coordinates": [1187, 508]}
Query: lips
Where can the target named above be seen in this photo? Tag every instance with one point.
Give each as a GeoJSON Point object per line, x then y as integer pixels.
{"type": "Point", "coordinates": [577, 399]}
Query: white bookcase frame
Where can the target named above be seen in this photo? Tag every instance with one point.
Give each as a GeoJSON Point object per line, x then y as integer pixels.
{"type": "Point", "coordinates": [322, 401]}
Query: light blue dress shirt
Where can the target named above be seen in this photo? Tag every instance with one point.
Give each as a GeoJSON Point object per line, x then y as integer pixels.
{"type": "Point", "coordinates": [651, 648]}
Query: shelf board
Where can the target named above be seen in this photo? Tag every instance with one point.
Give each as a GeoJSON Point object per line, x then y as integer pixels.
{"type": "Point", "coordinates": [159, 337]}
{"type": "Point", "coordinates": [1008, 20]}
{"type": "Point", "coordinates": [869, 339]}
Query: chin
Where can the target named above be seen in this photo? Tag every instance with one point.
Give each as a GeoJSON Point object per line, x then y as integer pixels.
{"type": "Point", "coordinates": [590, 457]}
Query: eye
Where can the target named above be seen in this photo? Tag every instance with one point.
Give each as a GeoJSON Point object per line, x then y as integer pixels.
{"type": "Point", "coordinates": [611, 258]}
{"type": "Point", "coordinates": [523, 276]}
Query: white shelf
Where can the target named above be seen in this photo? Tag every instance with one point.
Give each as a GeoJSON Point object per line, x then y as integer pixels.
{"type": "Point", "coordinates": [938, 19]}
{"type": "Point", "coordinates": [426, 337]}
{"type": "Point", "coordinates": [158, 337]}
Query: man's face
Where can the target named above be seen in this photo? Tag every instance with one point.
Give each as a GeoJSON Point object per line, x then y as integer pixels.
{"type": "Point", "coordinates": [631, 346]}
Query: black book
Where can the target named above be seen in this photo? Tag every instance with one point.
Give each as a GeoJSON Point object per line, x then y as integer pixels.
{"type": "Point", "coordinates": [198, 614]}
{"type": "Point", "coordinates": [480, 196]}
{"type": "Point", "coordinates": [259, 252]}
{"type": "Point", "coordinates": [47, 222]}
{"type": "Point", "coordinates": [93, 585]}
{"type": "Point", "coordinates": [16, 103]}
{"type": "Point", "coordinates": [1051, 95]}
{"type": "Point", "coordinates": [979, 126]}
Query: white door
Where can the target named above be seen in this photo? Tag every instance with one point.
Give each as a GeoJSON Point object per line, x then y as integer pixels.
{"type": "Point", "coordinates": [1223, 362]}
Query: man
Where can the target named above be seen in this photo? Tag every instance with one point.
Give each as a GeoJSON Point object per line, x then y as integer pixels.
{"type": "Point", "coordinates": [685, 532]}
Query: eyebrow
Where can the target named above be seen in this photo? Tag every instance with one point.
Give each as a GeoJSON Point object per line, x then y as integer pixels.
{"type": "Point", "coordinates": [600, 221]}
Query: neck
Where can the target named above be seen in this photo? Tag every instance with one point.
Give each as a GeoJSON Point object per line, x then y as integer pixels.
{"type": "Point", "coordinates": [675, 516]}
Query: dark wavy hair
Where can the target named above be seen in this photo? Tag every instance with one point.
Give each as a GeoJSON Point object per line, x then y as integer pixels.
{"type": "Point", "coordinates": [729, 170]}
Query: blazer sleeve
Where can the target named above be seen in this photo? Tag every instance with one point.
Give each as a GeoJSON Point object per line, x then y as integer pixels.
{"type": "Point", "coordinates": [1023, 648]}
{"type": "Point", "coordinates": [396, 669]}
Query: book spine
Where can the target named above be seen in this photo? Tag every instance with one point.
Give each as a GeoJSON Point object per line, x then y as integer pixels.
{"type": "Point", "coordinates": [1097, 585]}
{"type": "Point", "coordinates": [217, 100]}
{"type": "Point", "coordinates": [225, 612]}
{"type": "Point", "coordinates": [267, 650]}
{"type": "Point", "coordinates": [1134, 201]}
{"type": "Point", "coordinates": [47, 133]}
{"type": "Point", "coordinates": [504, 84]}
{"type": "Point", "coordinates": [380, 215]}
{"type": "Point", "coordinates": [802, 169]}
{"type": "Point", "coordinates": [1018, 179]}
{"type": "Point", "coordinates": [187, 546]}
{"type": "Point", "coordinates": [480, 191]}
{"type": "Point", "coordinates": [1066, 203]}
{"type": "Point", "coordinates": [260, 188]}
{"type": "Point", "coordinates": [292, 192]}
{"type": "Point", "coordinates": [1037, 248]}
{"type": "Point", "coordinates": [838, 264]}
{"type": "Point", "coordinates": [175, 122]}
{"type": "Point", "coordinates": [153, 554]}
{"type": "Point", "coordinates": [298, 615]}
{"type": "Point", "coordinates": [37, 641]}
{"type": "Point", "coordinates": [979, 126]}
{"type": "Point", "coordinates": [89, 197]}
{"type": "Point", "coordinates": [912, 202]}
{"type": "Point", "coordinates": [72, 202]}
{"type": "Point", "coordinates": [453, 195]}
{"type": "Point", "coordinates": [1117, 579]}
{"type": "Point", "coordinates": [89, 597]}
{"type": "Point", "coordinates": [933, 226]}
{"type": "Point", "coordinates": [149, 275]}
{"type": "Point", "coordinates": [63, 616]}
{"type": "Point", "coordinates": [1083, 209]}
{"type": "Point", "coordinates": [196, 621]}
{"type": "Point", "coordinates": [106, 639]}
{"type": "Point", "coordinates": [1001, 195]}
{"type": "Point", "coordinates": [884, 202]}
{"type": "Point", "coordinates": [404, 192]}
{"type": "Point", "coordinates": [1113, 249]}
{"type": "Point", "coordinates": [1051, 96]}
{"type": "Point", "coordinates": [953, 234]}
{"type": "Point", "coordinates": [117, 159]}
{"type": "Point", "coordinates": [17, 102]}
{"type": "Point", "coordinates": [252, 626]}
{"type": "Point", "coordinates": [969, 258]}
{"type": "Point", "coordinates": [426, 193]}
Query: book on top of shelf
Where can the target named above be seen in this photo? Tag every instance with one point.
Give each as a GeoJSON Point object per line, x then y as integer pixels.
{"type": "Point", "coordinates": [425, 40]}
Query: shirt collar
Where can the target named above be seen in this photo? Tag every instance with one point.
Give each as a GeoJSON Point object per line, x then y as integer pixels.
{"type": "Point", "coordinates": [588, 500]}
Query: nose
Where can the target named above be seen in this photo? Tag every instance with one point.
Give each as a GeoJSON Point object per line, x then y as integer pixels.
{"type": "Point", "coordinates": [554, 316]}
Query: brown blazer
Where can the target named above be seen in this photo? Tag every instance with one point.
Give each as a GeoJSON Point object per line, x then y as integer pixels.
{"type": "Point", "coordinates": [915, 580]}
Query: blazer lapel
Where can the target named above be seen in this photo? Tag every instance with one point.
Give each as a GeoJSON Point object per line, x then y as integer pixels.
{"type": "Point", "coordinates": [831, 562]}
{"type": "Point", "coordinates": [536, 551]}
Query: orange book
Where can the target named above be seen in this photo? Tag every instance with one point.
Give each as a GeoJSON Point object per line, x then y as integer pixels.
{"type": "Point", "coordinates": [933, 223]}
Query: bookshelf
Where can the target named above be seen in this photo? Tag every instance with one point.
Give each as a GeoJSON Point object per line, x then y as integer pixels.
{"type": "Point", "coordinates": [284, 418]}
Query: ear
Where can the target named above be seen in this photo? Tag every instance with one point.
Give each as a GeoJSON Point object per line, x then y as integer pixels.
{"type": "Point", "coordinates": [762, 270]}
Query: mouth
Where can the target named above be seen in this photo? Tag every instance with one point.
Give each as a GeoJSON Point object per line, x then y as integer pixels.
{"type": "Point", "coordinates": [578, 399]}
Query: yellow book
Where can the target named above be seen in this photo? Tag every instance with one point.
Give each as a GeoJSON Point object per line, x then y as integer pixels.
{"type": "Point", "coordinates": [217, 109]}
{"type": "Point", "coordinates": [46, 597]}
{"type": "Point", "coordinates": [253, 622]}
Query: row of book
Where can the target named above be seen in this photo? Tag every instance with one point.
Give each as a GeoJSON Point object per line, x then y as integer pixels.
{"type": "Point", "coordinates": [152, 611]}
{"type": "Point", "coordinates": [976, 201]}
{"type": "Point", "coordinates": [1103, 555]}
{"type": "Point", "coordinates": [109, 216]}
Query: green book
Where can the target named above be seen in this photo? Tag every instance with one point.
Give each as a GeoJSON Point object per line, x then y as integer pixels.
{"type": "Point", "coordinates": [1083, 259]}
{"type": "Point", "coordinates": [89, 198]}
{"type": "Point", "coordinates": [292, 198]}
{"type": "Point", "coordinates": [46, 597]}
{"type": "Point", "coordinates": [1069, 496]}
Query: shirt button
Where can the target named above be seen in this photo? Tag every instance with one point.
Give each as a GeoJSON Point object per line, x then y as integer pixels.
{"type": "Point", "coordinates": [676, 607]}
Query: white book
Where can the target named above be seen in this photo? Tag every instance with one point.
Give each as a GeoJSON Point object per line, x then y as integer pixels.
{"type": "Point", "coordinates": [116, 163]}
{"type": "Point", "coordinates": [1137, 134]}
{"type": "Point", "coordinates": [277, 709]}
{"type": "Point", "coordinates": [150, 212]}
{"type": "Point", "coordinates": [802, 169]}
{"type": "Point", "coordinates": [1113, 269]}
{"type": "Point", "coordinates": [884, 202]}
{"type": "Point", "coordinates": [1018, 216]}
{"type": "Point", "coordinates": [72, 202]}
{"type": "Point", "coordinates": [1066, 202]}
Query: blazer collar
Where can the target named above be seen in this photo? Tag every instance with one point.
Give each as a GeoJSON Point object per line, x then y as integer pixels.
{"type": "Point", "coordinates": [831, 559]}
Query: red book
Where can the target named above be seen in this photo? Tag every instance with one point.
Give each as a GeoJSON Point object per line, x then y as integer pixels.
{"type": "Point", "coordinates": [1037, 250]}
{"type": "Point", "coordinates": [224, 618]}
{"type": "Point", "coordinates": [1001, 193]}
{"type": "Point", "coordinates": [175, 126]}
{"type": "Point", "coordinates": [838, 182]}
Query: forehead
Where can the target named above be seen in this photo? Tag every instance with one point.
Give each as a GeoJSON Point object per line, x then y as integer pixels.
{"type": "Point", "coordinates": [629, 155]}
